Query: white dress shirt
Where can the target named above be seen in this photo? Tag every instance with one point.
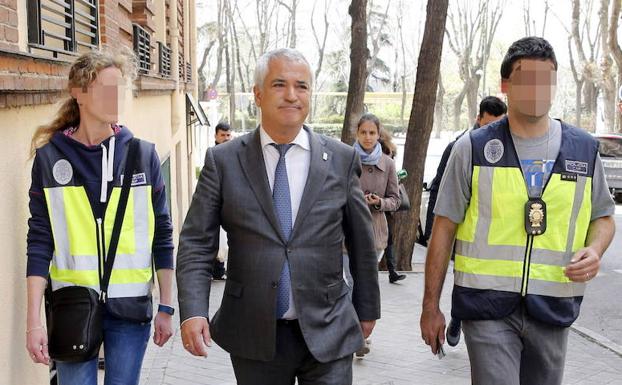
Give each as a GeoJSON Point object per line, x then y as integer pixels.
{"type": "Point", "coordinates": [297, 161]}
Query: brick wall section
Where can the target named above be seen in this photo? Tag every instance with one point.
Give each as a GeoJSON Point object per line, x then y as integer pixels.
{"type": "Point", "coordinates": [29, 80]}
{"type": "Point", "coordinates": [8, 25]}
{"type": "Point", "coordinates": [112, 15]}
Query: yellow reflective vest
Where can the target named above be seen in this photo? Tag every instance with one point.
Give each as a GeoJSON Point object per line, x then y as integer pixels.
{"type": "Point", "coordinates": [497, 264]}
{"type": "Point", "coordinates": [81, 240]}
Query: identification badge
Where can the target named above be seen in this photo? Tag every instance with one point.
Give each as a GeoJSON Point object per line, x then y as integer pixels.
{"type": "Point", "coordinates": [535, 216]}
{"type": "Point", "coordinates": [569, 176]}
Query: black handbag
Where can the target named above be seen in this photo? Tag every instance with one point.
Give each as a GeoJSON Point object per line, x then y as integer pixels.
{"type": "Point", "coordinates": [75, 313]}
{"type": "Point", "coordinates": [404, 200]}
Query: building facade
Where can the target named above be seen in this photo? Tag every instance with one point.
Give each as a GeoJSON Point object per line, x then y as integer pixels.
{"type": "Point", "coordinates": [38, 41]}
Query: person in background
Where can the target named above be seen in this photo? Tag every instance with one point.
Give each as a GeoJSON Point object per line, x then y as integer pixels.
{"type": "Point", "coordinates": [390, 149]}
{"type": "Point", "coordinates": [491, 109]}
{"type": "Point", "coordinates": [379, 184]}
{"type": "Point", "coordinates": [223, 134]}
{"type": "Point", "coordinates": [79, 159]}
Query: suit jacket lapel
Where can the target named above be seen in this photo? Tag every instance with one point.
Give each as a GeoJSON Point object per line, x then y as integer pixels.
{"type": "Point", "coordinates": [253, 165]}
{"type": "Point", "coordinates": [318, 169]}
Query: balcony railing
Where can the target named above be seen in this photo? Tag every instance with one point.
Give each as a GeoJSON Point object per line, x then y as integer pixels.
{"type": "Point", "coordinates": [65, 27]}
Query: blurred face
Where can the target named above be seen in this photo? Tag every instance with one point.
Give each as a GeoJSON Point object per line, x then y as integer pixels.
{"type": "Point", "coordinates": [367, 135]}
{"type": "Point", "coordinates": [223, 136]}
{"type": "Point", "coordinates": [104, 97]}
{"type": "Point", "coordinates": [284, 96]}
{"type": "Point", "coordinates": [531, 87]}
{"type": "Point", "coordinates": [487, 119]}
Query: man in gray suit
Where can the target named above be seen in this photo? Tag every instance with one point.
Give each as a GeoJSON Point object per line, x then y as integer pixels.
{"type": "Point", "coordinates": [288, 199]}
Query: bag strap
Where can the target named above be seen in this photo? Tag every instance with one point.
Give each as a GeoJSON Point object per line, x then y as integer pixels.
{"type": "Point", "coordinates": [130, 165]}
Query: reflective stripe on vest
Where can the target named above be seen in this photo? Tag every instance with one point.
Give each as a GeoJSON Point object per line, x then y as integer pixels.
{"type": "Point", "coordinates": [76, 236]}
{"type": "Point", "coordinates": [492, 246]}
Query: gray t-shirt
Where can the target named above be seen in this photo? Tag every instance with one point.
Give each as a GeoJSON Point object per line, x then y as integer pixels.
{"type": "Point", "coordinates": [455, 190]}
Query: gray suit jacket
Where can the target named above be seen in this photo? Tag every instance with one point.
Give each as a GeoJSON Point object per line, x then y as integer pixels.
{"type": "Point", "coordinates": [233, 192]}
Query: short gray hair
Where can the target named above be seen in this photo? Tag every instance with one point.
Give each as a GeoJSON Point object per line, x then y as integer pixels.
{"type": "Point", "coordinates": [290, 54]}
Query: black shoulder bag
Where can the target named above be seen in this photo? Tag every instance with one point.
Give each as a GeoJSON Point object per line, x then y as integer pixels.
{"type": "Point", "coordinates": [75, 330]}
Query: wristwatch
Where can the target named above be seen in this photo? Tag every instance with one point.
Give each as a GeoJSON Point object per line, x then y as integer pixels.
{"type": "Point", "coordinates": [166, 309]}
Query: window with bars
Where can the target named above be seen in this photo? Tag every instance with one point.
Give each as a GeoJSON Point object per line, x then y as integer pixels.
{"type": "Point", "coordinates": [164, 62]}
{"type": "Point", "coordinates": [182, 68]}
{"type": "Point", "coordinates": [63, 27]}
{"type": "Point", "coordinates": [142, 48]}
{"type": "Point", "coordinates": [188, 72]}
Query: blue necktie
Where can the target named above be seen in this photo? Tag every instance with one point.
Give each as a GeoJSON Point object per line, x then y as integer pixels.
{"type": "Point", "coordinates": [283, 205]}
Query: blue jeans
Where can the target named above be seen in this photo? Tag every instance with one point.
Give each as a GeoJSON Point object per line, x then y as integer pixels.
{"type": "Point", "coordinates": [125, 343]}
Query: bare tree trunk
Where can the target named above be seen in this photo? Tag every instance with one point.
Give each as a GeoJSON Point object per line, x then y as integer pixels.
{"type": "Point", "coordinates": [403, 77]}
{"type": "Point", "coordinates": [578, 85]}
{"type": "Point", "coordinates": [419, 128]}
{"type": "Point", "coordinates": [607, 85]}
{"type": "Point", "coordinates": [230, 73]}
{"type": "Point", "coordinates": [201, 69]}
{"type": "Point", "coordinates": [616, 51]}
{"type": "Point", "coordinates": [236, 47]}
{"type": "Point", "coordinates": [458, 107]}
{"type": "Point", "coordinates": [321, 46]}
{"type": "Point", "coordinates": [222, 37]}
{"type": "Point", "coordinates": [438, 108]}
{"type": "Point", "coordinates": [358, 70]}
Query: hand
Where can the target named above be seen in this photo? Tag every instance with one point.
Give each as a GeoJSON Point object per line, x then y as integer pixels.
{"type": "Point", "coordinates": [195, 335]}
{"type": "Point", "coordinates": [584, 265]}
{"type": "Point", "coordinates": [373, 199]}
{"type": "Point", "coordinates": [163, 328]}
{"type": "Point", "coordinates": [433, 328]}
{"type": "Point", "coordinates": [37, 345]}
{"type": "Point", "coordinates": [367, 327]}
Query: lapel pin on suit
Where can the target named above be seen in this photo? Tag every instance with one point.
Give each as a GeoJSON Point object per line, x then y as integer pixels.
{"type": "Point", "coordinates": [325, 156]}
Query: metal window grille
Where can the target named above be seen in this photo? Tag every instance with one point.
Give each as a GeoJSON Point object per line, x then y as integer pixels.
{"type": "Point", "coordinates": [142, 48]}
{"type": "Point", "coordinates": [188, 72]}
{"type": "Point", "coordinates": [63, 27]}
{"type": "Point", "coordinates": [164, 60]}
{"type": "Point", "coordinates": [182, 68]}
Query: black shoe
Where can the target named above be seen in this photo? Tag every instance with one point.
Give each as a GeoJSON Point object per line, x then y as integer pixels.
{"type": "Point", "coordinates": [453, 332]}
{"type": "Point", "coordinates": [396, 277]}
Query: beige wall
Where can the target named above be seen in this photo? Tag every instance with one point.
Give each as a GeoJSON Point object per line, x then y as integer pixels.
{"type": "Point", "coordinates": [152, 118]}
{"type": "Point", "coordinates": [18, 127]}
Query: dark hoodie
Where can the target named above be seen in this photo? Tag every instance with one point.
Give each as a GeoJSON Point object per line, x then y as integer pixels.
{"type": "Point", "coordinates": [86, 162]}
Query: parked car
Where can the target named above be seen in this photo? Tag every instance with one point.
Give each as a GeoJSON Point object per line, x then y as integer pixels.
{"type": "Point", "coordinates": [610, 150]}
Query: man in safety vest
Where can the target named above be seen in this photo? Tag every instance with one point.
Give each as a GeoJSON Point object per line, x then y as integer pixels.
{"type": "Point", "coordinates": [526, 201]}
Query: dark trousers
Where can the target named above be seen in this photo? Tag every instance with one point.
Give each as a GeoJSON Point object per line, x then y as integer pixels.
{"type": "Point", "coordinates": [292, 361]}
{"type": "Point", "coordinates": [388, 252]}
{"type": "Point", "coordinates": [219, 269]}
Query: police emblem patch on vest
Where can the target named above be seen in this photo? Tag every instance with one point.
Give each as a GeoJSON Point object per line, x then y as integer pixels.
{"type": "Point", "coordinates": [576, 166]}
{"type": "Point", "coordinates": [493, 150]}
{"type": "Point", "coordinates": [62, 171]}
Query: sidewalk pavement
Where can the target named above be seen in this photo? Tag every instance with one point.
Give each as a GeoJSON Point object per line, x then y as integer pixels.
{"type": "Point", "coordinates": [398, 355]}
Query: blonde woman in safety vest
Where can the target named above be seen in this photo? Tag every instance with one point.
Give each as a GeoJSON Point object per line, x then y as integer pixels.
{"type": "Point", "coordinates": [76, 179]}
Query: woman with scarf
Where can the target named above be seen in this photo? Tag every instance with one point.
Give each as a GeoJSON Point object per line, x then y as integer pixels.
{"type": "Point", "coordinates": [378, 182]}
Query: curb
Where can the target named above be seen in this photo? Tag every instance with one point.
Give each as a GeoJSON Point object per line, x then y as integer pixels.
{"type": "Point", "coordinates": [598, 339]}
